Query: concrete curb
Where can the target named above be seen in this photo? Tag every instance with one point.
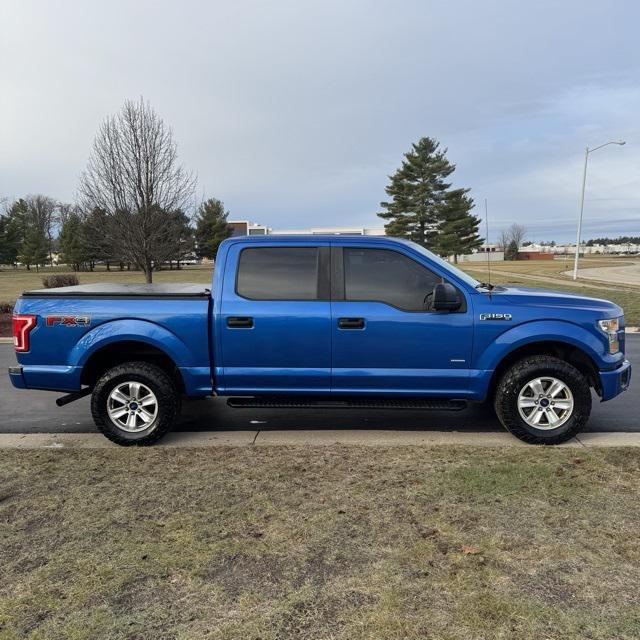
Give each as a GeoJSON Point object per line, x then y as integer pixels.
{"type": "Point", "coordinates": [6, 340]}
{"type": "Point", "coordinates": [310, 438]}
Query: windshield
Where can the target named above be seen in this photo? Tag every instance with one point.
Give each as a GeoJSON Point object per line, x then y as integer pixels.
{"type": "Point", "coordinates": [461, 275]}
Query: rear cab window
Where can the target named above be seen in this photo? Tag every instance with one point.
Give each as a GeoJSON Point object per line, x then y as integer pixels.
{"type": "Point", "coordinates": [279, 273]}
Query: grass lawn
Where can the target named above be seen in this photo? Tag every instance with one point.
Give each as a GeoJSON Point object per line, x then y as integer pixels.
{"type": "Point", "coordinates": [324, 543]}
{"type": "Point", "coordinates": [627, 298]}
{"type": "Point", "coordinates": [14, 281]}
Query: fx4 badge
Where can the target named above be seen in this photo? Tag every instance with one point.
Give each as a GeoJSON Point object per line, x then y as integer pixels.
{"type": "Point", "coordinates": [68, 321]}
{"type": "Point", "coordinates": [495, 316]}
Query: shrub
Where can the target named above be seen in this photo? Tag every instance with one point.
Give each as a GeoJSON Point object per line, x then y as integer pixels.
{"type": "Point", "coordinates": [6, 307]}
{"type": "Point", "coordinates": [60, 280]}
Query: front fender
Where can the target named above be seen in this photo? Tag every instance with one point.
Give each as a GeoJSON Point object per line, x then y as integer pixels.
{"type": "Point", "coordinates": [545, 331]}
{"type": "Point", "coordinates": [131, 330]}
{"type": "Point", "coordinates": [527, 333]}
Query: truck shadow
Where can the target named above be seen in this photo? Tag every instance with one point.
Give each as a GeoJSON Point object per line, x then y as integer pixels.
{"type": "Point", "coordinates": [207, 414]}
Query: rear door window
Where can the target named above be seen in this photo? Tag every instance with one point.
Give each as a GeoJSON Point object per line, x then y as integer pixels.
{"type": "Point", "coordinates": [278, 273]}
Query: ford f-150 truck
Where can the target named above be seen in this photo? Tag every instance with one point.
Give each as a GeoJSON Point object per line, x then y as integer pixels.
{"type": "Point", "coordinates": [313, 321]}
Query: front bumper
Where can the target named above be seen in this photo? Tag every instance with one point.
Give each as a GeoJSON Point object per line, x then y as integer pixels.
{"type": "Point", "coordinates": [613, 383]}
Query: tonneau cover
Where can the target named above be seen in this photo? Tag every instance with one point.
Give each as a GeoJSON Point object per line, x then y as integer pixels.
{"type": "Point", "coordinates": [111, 290]}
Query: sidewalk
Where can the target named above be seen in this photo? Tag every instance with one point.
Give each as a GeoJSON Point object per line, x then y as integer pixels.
{"type": "Point", "coordinates": [311, 438]}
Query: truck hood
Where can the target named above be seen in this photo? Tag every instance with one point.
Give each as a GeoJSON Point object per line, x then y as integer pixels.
{"type": "Point", "coordinates": [534, 297]}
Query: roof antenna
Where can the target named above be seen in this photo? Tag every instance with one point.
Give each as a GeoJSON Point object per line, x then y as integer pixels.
{"type": "Point", "coordinates": [486, 222]}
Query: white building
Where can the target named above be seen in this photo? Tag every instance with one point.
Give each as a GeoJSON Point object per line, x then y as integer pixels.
{"type": "Point", "coordinates": [332, 231]}
{"type": "Point", "coordinates": [247, 228]}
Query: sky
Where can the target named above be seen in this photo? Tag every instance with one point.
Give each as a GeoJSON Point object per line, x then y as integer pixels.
{"type": "Point", "coordinates": [295, 112]}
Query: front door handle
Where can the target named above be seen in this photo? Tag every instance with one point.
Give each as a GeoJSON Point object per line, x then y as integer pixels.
{"type": "Point", "coordinates": [351, 323]}
{"type": "Point", "coordinates": [240, 322]}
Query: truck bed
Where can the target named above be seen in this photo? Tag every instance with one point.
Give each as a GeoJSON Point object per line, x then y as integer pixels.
{"type": "Point", "coordinates": [115, 290]}
{"type": "Point", "coordinates": [75, 324]}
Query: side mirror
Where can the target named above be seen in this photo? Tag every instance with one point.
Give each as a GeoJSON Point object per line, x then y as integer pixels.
{"type": "Point", "coordinates": [445, 297]}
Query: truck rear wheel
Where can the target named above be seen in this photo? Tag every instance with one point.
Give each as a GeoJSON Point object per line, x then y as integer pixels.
{"type": "Point", "coordinates": [135, 403]}
{"type": "Point", "coordinates": [543, 400]}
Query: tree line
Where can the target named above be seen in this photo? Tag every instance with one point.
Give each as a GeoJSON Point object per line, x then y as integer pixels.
{"type": "Point", "coordinates": [618, 240]}
{"type": "Point", "coordinates": [132, 208]}
{"type": "Point", "coordinates": [34, 228]}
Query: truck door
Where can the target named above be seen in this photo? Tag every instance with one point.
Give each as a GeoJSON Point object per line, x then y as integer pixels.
{"type": "Point", "coordinates": [384, 339]}
{"type": "Point", "coordinates": [275, 320]}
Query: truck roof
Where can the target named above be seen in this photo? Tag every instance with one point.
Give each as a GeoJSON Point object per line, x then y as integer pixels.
{"type": "Point", "coordinates": [310, 238]}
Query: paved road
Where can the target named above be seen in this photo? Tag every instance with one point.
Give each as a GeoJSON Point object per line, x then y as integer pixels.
{"type": "Point", "coordinates": [619, 274]}
{"type": "Point", "coordinates": [36, 412]}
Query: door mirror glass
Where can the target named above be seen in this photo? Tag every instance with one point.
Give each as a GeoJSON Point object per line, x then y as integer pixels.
{"type": "Point", "coordinates": [445, 297]}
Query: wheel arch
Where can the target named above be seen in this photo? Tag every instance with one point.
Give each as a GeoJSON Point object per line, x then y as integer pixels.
{"type": "Point", "coordinates": [566, 351]}
{"type": "Point", "coordinates": [118, 352]}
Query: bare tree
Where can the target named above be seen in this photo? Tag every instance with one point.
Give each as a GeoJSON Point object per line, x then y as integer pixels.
{"type": "Point", "coordinates": [133, 176]}
{"type": "Point", "coordinates": [515, 234]}
{"type": "Point", "coordinates": [503, 240]}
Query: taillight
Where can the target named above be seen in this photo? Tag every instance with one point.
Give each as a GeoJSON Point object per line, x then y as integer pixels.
{"type": "Point", "coordinates": [22, 326]}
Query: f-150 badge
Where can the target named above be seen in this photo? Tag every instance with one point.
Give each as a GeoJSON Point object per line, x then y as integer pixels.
{"type": "Point", "coordinates": [68, 321]}
{"type": "Point", "coordinates": [495, 316]}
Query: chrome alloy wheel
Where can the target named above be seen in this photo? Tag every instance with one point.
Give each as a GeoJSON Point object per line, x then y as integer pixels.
{"type": "Point", "coordinates": [132, 407]}
{"type": "Point", "coordinates": [545, 403]}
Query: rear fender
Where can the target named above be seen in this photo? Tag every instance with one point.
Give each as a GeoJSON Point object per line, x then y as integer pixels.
{"type": "Point", "coordinates": [131, 330]}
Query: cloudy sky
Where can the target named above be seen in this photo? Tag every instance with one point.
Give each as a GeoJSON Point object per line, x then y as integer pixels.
{"type": "Point", "coordinates": [295, 112]}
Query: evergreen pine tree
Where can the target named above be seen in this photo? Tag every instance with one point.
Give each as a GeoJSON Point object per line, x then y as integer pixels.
{"type": "Point", "coordinates": [73, 244]}
{"type": "Point", "coordinates": [211, 228]}
{"type": "Point", "coordinates": [35, 248]}
{"type": "Point", "coordinates": [98, 245]}
{"type": "Point", "coordinates": [183, 237]}
{"type": "Point", "coordinates": [417, 191]}
{"type": "Point", "coordinates": [6, 254]}
{"type": "Point", "coordinates": [511, 251]}
{"type": "Point", "coordinates": [458, 228]}
{"type": "Point", "coordinates": [17, 224]}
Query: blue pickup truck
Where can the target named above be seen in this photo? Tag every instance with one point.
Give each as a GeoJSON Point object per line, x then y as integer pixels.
{"type": "Point", "coordinates": [316, 321]}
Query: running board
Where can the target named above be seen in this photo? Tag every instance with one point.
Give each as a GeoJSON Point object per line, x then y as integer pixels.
{"type": "Point", "coordinates": [347, 403]}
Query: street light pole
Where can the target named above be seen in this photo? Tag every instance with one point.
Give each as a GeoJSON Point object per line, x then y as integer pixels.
{"type": "Point", "coordinates": [584, 184]}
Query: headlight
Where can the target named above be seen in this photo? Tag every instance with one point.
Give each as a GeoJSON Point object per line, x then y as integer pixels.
{"type": "Point", "coordinates": [611, 326]}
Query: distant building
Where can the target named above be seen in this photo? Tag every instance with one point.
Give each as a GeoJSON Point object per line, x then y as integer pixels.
{"type": "Point", "coordinates": [528, 254]}
{"type": "Point", "coordinates": [246, 228]}
{"type": "Point", "coordinates": [484, 253]}
{"type": "Point", "coordinates": [332, 231]}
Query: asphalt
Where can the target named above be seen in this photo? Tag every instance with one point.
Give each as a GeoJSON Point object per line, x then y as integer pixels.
{"type": "Point", "coordinates": [36, 412]}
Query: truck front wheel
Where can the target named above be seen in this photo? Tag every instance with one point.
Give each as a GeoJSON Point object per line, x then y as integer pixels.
{"type": "Point", "coordinates": [543, 400]}
{"type": "Point", "coordinates": [135, 403]}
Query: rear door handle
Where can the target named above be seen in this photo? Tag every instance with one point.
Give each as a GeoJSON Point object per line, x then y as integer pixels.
{"type": "Point", "coordinates": [351, 323]}
{"type": "Point", "coordinates": [240, 322]}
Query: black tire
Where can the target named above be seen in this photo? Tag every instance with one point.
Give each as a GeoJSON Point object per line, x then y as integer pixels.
{"type": "Point", "coordinates": [166, 408]}
{"type": "Point", "coordinates": [528, 369]}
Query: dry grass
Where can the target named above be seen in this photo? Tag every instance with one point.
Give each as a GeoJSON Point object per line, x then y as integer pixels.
{"type": "Point", "coordinates": [548, 274]}
{"type": "Point", "coordinates": [14, 281]}
{"type": "Point", "coordinates": [341, 543]}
